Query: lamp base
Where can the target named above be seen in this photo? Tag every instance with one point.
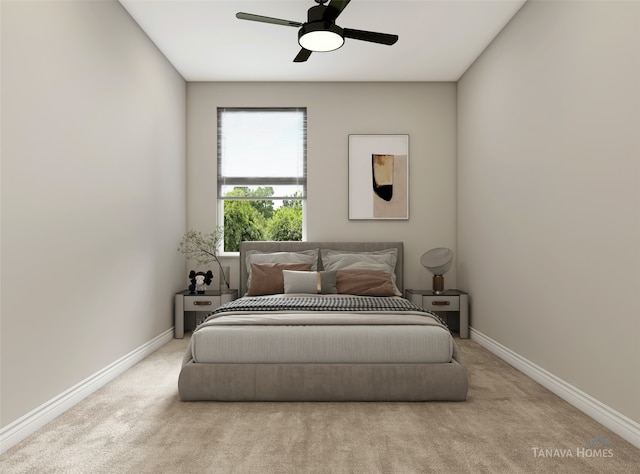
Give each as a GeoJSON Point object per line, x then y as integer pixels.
{"type": "Point", "coordinates": [438, 284]}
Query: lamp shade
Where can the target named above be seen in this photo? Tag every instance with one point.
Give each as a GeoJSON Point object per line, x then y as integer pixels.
{"type": "Point", "coordinates": [320, 36]}
{"type": "Point", "coordinates": [438, 260]}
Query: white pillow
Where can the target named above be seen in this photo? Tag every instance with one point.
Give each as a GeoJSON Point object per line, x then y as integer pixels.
{"type": "Point", "coordinates": [310, 282]}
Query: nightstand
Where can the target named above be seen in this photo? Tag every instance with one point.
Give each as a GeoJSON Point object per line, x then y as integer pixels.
{"type": "Point", "coordinates": [207, 302]}
{"type": "Point", "coordinates": [450, 301]}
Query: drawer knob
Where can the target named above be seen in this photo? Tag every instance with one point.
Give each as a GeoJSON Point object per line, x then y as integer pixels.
{"type": "Point", "coordinates": [202, 303]}
{"type": "Point", "coordinates": [441, 303]}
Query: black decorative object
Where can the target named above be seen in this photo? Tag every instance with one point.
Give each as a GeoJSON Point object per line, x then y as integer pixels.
{"type": "Point", "coordinates": [200, 281]}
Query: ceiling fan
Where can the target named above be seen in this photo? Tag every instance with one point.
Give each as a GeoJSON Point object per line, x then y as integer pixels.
{"type": "Point", "coordinates": [320, 32]}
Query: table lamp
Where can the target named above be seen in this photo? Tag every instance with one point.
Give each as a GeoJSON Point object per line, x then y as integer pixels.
{"type": "Point", "coordinates": [437, 261]}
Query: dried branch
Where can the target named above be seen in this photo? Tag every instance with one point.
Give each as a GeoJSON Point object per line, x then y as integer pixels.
{"type": "Point", "coordinates": [203, 248]}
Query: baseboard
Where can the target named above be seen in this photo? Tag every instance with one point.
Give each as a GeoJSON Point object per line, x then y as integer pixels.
{"type": "Point", "coordinates": [15, 432]}
{"type": "Point", "coordinates": [618, 423]}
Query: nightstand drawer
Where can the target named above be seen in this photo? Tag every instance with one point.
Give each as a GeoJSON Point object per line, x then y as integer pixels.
{"type": "Point", "coordinates": [185, 303]}
{"type": "Point", "coordinates": [201, 303]}
{"type": "Point", "coordinates": [448, 303]}
{"type": "Point", "coordinates": [441, 303]}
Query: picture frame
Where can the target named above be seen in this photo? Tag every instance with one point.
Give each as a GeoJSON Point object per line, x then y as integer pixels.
{"type": "Point", "coordinates": [378, 177]}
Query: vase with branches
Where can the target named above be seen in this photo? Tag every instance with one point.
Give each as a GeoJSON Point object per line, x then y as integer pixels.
{"type": "Point", "coordinates": [203, 248]}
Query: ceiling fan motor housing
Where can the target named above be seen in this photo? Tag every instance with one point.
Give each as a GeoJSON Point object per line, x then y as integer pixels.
{"type": "Point", "coordinates": [316, 13]}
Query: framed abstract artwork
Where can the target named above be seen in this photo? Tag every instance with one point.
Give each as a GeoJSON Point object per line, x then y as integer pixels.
{"type": "Point", "coordinates": [378, 177]}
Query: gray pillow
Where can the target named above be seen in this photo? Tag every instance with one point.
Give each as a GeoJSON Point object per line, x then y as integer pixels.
{"type": "Point", "coordinates": [310, 282]}
{"type": "Point", "coordinates": [255, 256]}
{"type": "Point", "coordinates": [381, 260]}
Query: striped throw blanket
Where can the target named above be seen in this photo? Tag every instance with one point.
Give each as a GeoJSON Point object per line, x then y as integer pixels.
{"type": "Point", "coordinates": [323, 303]}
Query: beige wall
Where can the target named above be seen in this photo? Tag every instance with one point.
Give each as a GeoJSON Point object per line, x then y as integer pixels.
{"type": "Point", "coordinates": [549, 194]}
{"type": "Point", "coordinates": [425, 111]}
{"type": "Point", "coordinates": [93, 195]}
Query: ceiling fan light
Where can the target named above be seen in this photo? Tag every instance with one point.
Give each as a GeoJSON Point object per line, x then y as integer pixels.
{"type": "Point", "coordinates": [320, 36]}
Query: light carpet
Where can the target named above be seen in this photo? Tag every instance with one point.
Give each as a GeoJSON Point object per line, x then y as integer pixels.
{"type": "Point", "coordinates": [137, 424]}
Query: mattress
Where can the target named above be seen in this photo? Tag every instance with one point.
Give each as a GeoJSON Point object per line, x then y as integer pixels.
{"type": "Point", "coordinates": [359, 332]}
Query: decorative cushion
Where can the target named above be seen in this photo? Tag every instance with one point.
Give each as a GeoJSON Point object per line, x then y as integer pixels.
{"type": "Point", "coordinates": [363, 282]}
{"type": "Point", "coordinates": [267, 278]}
{"type": "Point", "coordinates": [309, 282]}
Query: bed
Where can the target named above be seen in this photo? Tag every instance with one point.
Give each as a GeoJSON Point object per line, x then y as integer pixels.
{"type": "Point", "coordinates": [322, 321]}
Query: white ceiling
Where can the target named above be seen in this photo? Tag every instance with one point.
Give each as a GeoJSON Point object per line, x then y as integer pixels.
{"type": "Point", "coordinates": [439, 39]}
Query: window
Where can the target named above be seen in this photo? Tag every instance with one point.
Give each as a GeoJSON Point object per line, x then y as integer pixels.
{"type": "Point", "coordinates": [262, 174]}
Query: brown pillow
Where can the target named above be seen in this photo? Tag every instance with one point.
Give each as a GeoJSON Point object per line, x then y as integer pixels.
{"type": "Point", "coordinates": [267, 278]}
{"type": "Point", "coordinates": [364, 283]}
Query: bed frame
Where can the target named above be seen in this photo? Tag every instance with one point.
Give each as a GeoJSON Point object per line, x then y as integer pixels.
{"type": "Point", "coordinates": [321, 382]}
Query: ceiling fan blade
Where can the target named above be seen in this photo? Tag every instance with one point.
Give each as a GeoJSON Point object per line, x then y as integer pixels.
{"type": "Point", "coordinates": [382, 38]}
{"type": "Point", "coordinates": [334, 9]}
{"type": "Point", "coordinates": [267, 19]}
{"type": "Point", "coordinates": [302, 56]}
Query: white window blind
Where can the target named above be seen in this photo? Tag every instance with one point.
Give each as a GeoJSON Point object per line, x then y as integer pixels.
{"type": "Point", "coordinates": [260, 147]}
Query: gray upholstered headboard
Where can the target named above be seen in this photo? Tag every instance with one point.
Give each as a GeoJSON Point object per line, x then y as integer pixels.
{"type": "Point", "coordinates": [299, 246]}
